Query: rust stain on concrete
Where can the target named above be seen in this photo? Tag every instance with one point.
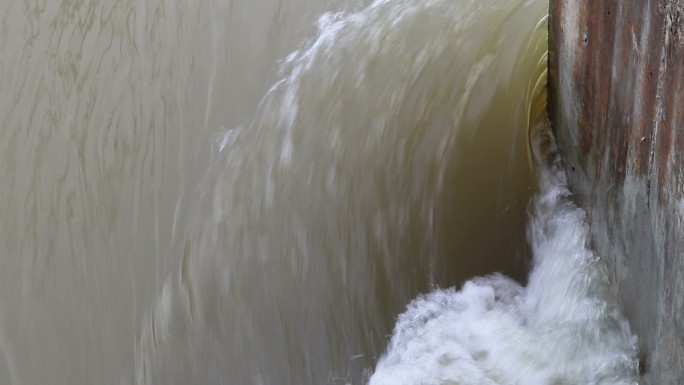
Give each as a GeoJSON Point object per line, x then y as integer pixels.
{"type": "Point", "coordinates": [617, 101]}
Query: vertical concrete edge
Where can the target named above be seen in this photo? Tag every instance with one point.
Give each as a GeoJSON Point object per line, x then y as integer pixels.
{"type": "Point", "coordinates": [616, 99]}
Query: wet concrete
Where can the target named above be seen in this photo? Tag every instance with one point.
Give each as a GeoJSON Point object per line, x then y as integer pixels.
{"type": "Point", "coordinates": [617, 90]}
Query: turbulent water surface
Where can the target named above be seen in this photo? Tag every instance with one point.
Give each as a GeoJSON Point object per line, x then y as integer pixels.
{"type": "Point", "coordinates": [253, 192]}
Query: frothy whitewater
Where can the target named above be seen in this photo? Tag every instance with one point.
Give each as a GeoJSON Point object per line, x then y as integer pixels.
{"type": "Point", "coordinates": [564, 327]}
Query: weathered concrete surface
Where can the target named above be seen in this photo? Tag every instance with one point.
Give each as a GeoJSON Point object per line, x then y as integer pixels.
{"type": "Point", "coordinates": [617, 100]}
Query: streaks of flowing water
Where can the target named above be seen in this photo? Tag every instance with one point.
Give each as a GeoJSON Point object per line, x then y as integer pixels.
{"type": "Point", "coordinates": [353, 190]}
{"type": "Point", "coordinates": [106, 116]}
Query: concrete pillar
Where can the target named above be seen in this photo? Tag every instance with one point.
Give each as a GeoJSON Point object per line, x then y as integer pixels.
{"type": "Point", "coordinates": [617, 102]}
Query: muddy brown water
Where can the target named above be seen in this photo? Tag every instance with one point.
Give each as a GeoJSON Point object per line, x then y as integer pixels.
{"type": "Point", "coordinates": [251, 191]}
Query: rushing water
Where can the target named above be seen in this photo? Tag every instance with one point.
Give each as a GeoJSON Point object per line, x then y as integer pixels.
{"type": "Point", "coordinates": [252, 192]}
{"type": "Point", "coordinates": [565, 327]}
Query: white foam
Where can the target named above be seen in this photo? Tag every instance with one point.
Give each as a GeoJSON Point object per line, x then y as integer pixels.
{"type": "Point", "coordinates": [563, 328]}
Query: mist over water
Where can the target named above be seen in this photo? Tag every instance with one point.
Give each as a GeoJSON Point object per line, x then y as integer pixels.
{"type": "Point", "coordinates": [252, 192]}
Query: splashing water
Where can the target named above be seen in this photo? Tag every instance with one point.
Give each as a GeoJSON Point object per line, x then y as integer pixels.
{"type": "Point", "coordinates": [564, 327]}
